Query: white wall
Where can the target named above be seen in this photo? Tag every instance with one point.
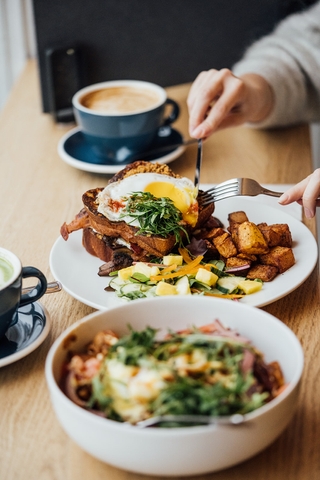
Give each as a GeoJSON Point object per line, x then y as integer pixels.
{"type": "Point", "coordinates": [17, 42]}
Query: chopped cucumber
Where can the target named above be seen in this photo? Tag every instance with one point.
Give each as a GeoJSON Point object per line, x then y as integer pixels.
{"type": "Point", "coordinates": [228, 284]}
{"type": "Point", "coordinates": [116, 283]}
{"type": "Point", "coordinates": [133, 287]}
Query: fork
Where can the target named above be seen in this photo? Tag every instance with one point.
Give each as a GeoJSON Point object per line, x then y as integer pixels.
{"type": "Point", "coordinates": [235, 419]}
{"type": "Point", "coordinates": [198, 164]}
{"type": "Point", "coordinates": [234, 188]}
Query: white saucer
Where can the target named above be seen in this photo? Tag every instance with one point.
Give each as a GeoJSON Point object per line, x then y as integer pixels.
{"type": "Point", "coordinates": [31, 327]}
{"type": "Point", "coordinates": [75, 151]}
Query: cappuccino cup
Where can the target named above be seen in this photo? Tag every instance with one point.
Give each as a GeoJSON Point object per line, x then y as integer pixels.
{"type": "Point", "coordinates": [11, 297]}
{"type": "Point", "coordinates": [122, 117]}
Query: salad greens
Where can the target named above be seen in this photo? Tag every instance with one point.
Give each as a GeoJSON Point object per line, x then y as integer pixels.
{"type": "Point", "coordinates": [200, 371]}
{"type": "Point", "coordinates": [156, 216]}
{"type": "Point", "coordinates": [189, 277]}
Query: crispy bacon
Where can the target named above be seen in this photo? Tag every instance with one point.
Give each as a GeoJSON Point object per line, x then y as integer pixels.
{"type": "Point", "coordinates": [81, 220]}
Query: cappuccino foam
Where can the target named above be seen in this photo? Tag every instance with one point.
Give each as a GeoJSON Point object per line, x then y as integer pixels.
{"type": "Point", "coordinates": [120, 100]}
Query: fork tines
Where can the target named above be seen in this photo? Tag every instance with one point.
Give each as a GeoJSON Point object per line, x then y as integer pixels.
{"type": "Point", "coordinates": [226, 189]}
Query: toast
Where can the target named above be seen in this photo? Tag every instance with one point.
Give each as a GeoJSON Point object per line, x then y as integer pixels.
{"type": "Point", "coordinates": [108, 239]}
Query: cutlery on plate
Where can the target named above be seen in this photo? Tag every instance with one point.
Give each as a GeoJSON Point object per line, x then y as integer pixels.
{"type": "Point", "coordinates": [198, 164]}
{"type": "Point", "coordinates": [235, 419]}
{"type": "Point", "coordinates": [234, 188]}
{"type": "Point", "coordinates": [52, 287]}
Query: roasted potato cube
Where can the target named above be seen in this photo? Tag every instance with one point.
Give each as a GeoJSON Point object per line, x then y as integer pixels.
{"type": "Point", "coordinates": [236, 262]}
{"type": "Point", "coordinates": [248, 256]}
{"type": "Point", "coordinates": [280, 257]}
{"type": "Point", "coordinates": [272, 237]}
{"type": "Point", "coordinates": [237, 217]}
{"type": "Point", "coordinates": [233, 230]}
{"type": "Point", "coordinates": [266, 273]}
{"type": "Point", "coordinates": [225, 245]}
{"type": "Point", "coordinates": [213, 233]}
{"type": "Point", "coordinates": [283, 230]}
{"type": "Point", "coordinates": [212, 251]}
{"type": "Point", "coordinates": [250, 239]}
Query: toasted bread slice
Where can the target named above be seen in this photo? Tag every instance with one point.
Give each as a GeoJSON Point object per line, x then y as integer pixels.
{"type": "Point", "coordinates": [99, 229]}
{"type": "Point", "coordinates": [154, 245]}
{"type": "Point", "coordinates": [141, 166]}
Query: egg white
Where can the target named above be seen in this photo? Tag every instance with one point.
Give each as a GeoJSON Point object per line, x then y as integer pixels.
{"type": "Point", "coordinates": [112, 200]}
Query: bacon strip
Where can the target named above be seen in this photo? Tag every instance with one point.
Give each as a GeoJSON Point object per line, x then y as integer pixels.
{"type": "Point", "coordinates": [81, 220]}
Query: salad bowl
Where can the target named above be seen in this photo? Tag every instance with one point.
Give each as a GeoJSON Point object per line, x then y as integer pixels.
{"type": "Point", "coordinates": [191, 450]}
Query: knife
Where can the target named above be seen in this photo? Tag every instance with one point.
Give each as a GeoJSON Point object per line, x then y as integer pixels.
{"type": "Point", "coordinates": [198, 164]}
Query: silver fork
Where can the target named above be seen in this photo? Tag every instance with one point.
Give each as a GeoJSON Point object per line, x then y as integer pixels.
{"type": "Point", "coordinates": [234, 188]}
{"type": "Point", "coordinates": [198, 164]}
{"type": "Point", "coordinates": [235, 419]}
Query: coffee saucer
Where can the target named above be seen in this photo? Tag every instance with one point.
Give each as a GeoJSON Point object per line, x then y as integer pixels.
{"type": "Point", "coordinates": [31, 327]}
{"type": "Point", "coordinates": [77, 152]}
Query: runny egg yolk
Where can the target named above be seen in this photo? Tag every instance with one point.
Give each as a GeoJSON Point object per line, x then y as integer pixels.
{"type": "Point", "coordinates": [182, 200]}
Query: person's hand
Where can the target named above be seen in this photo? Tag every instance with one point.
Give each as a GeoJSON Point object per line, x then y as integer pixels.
{"type": "Point", "coordinates": [305, 193]}
{"type": "Point", "coordinates": [218, 99]}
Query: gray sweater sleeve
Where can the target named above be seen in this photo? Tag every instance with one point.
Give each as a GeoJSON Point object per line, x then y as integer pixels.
{"type": "Point", "coordinates": [289, 59]}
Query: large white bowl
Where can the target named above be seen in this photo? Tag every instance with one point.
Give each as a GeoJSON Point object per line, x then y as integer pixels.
{"type": "Point", "coordinates": [179, 451]}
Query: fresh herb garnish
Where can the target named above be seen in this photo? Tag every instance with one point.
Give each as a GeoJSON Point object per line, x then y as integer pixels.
{"type": "Point", "coordinates": [156, 216]}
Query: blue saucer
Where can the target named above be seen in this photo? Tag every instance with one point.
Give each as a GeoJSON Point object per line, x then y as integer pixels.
{"type": "Point", "coordinates": [30, 328]}
{"type": "Point", "coordinates": [77, 152]}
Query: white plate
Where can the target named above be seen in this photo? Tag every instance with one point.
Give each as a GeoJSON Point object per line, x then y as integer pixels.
{"type": "Point", "coordinates": [77, 270]}
{"type": "Point", "coordinates": [76, 152]}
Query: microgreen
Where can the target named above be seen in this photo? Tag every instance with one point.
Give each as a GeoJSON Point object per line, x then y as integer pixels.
{"type": "Point", "coordinates": [156, 216]}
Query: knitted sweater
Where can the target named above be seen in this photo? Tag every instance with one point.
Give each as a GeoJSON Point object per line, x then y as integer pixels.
{"type": "Point", "coordinates": [289, 59]}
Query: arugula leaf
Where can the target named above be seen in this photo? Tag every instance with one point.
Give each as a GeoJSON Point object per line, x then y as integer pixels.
{"type": "Point", "coordinates": [156, 216]}
{"type": "Point", "coordinates": [131, 348]}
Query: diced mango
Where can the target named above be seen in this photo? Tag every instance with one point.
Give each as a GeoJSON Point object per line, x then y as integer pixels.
{"type": "Point", "coordinates": [204, 276]}
{"type": "Point", "coordinates": [142, 268]}
{"type": "Point", "coordinates": [250, 286]}
{"type": "Point", "coordinates": [182, 286]}
{"type": "Point", "coordinates": [154, 271]}
{"type": "Point", "coordinates": [164, 288]}
{"type": "Point", "coordinates": [125, 273]}
{"type": "Point", "coordinates": [172, 259]}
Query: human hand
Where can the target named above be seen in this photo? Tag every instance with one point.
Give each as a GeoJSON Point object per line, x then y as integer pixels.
{"type": "Point", "coordinates": [218, 99]}
{"type": "Point", "coordinates": [305, 193]}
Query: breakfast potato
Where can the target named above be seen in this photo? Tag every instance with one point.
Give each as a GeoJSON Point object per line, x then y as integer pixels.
{"type": "Point", "coordinates": [212, 251]}
{"type": "Point", "coordinates": [250, 239]}
{"type": "Point", "coordinates": [265, 248]}
{"type": "Point", "coordinates": [237, 217]}
{"type": "Point", "coordinates": [283, 230]}
{"type": "Point", "coordinates": [272, 237]}
{"type": "Point", "coordinates": [280, 257]}
{"type": "Point", "coordinates": [237, 262]}
{"type": "Point", "coordinates": [248, 256]}
{"type": "Point", "coordinates": [266, 273]}
{"type": "Point", "coordinates": [213, 233]}
{"type": "Point", "coordinates": [225, 246]}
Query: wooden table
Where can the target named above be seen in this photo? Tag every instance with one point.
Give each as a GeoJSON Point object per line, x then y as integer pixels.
{"type": "Point", "coordinates": [39, 192]}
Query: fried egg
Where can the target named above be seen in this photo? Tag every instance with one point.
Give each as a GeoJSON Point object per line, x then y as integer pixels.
{"type": "Point", "coordinates": [112, 200]}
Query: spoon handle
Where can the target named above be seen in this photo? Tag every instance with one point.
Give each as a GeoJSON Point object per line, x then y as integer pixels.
{"type": "Point", "coordinates": [52, 287]}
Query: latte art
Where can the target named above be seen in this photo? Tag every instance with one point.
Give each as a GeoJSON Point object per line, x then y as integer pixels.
{"type": "Point", "coordinates": [121, 100]}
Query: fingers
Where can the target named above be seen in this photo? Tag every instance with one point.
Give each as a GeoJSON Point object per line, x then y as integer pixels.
{"type": "Point", "coordinates": [213, 97]}
{"type": "Point", "coordinates": [312, 191]}
{"type": "Point", "coordinates": [305, 193]}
